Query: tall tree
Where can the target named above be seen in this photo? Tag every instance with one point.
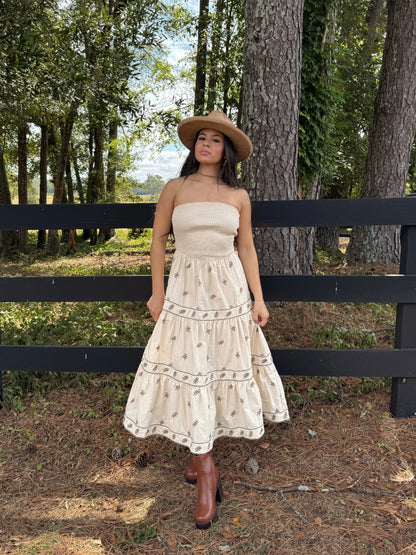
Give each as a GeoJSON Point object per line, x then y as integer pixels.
{"type": "Point", "coordinates": [43, 178]}
{"type": "Point", "coordinates": [201, 57]}
{"type": "Point", "coordinates": [359, 39]}
{"type": "Point", "coordinates": [8, 239]}
{"type": "Point", "coordinates": [271, 93]}
{"type": "Point", "coordinates": [392, 132]}
{"type": "Point", "coordinates": [318, 102]}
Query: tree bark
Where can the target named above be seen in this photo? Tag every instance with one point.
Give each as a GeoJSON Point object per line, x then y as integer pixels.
{"type": "Point", "coordinates": [78, 179]}
{"type": "Point", "coordinates": [270, 114]}
{"type": "Point", "coordinates": [111, 172]}
{"type": "Point", "coordinates": [327, 238]}
{"type": "Point", "coordinates": [69, 182]}
{"type": "Point", "coordinates": [95, 186]}
{"type": "Point", "coordinates": [22, 175]}
{"type": "Point", "coordinates": [53, 236]}
{"type": "Point", "coordinates": [215, 56]}
{"type": "Point", "coordinates": [8, 239]}
{"type": "Point", "coordinates": [201, 57]}
{"type": "Point", "coordinates": [307, 235]}
{"type": "Point", "coordinates": [392, 133]}
{"type": "Point", "coordinates": [371, 22]}
{"type": "Point", "coordinates": [43, 179]}
{"type": "Point", "coordinates": [227, 70]}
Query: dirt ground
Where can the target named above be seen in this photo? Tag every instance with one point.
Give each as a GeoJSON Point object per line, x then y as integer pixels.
{"type": "Point", "coordinates": [339, 479]}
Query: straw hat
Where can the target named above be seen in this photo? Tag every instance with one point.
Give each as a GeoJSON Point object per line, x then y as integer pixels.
{"type": "Point", "coordinates": [189, 127]}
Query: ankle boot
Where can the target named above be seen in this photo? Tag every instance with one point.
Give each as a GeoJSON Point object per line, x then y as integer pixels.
{"type": "Point", "coordinates": [209, 491]}
{"type": "Point", "coordinates": [190, 472]}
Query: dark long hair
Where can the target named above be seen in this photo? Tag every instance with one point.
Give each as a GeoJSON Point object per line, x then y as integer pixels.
{"type": "Point", "coordinates": [228, 172]}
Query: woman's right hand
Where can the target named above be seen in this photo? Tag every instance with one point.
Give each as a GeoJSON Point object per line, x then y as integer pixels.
{"type": "Point", "coordinates": [155, 305]}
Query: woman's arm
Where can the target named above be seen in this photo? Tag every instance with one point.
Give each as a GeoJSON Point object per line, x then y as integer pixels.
{"type": "Point", "coordinates": [161, 228]}
{"type": "Point", "coordinates": [248, 257]}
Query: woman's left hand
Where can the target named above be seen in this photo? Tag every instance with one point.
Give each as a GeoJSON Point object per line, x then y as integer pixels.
{"type": "Point", "coordinates": [260, 313]}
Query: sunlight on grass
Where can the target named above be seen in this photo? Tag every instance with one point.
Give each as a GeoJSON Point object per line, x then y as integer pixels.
{"type": "Point", "coordinates": [52, 542]}
{"type": "Point", "coordinates": [87, 509]}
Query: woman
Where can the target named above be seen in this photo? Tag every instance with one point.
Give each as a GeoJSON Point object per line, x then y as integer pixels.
{"type": "Point", "coordinates": [207, 371]}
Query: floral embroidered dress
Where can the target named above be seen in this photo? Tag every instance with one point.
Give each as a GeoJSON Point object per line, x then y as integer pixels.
{"type": "Point", "coordinates": [207, 370]}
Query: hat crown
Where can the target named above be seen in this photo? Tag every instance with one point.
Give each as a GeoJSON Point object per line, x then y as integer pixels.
{"type": "Point", "coordinates": [219, 117]}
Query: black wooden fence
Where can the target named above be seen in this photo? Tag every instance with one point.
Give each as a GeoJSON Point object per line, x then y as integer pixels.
{"type": "Point", "coordinates": [398, 363]}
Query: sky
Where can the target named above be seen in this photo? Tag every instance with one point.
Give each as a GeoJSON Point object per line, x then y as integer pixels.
{"type": "Point", "coordinates": [167, 163]}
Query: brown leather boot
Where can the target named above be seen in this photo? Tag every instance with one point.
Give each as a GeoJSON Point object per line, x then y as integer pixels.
{"type": "Point", "coordinates": [209, 491]}
{"type": "Point", "coordinates": [190, 472]}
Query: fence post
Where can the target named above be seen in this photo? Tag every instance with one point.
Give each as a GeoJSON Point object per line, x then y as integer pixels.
{"type": "Point", "coordinates": [403, 390]}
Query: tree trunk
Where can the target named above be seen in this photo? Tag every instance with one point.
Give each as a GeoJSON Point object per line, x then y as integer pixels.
{"type": "Point", "coordinates": [227, 70]}
{"type": "Point", "coordinates": [53, 237]}
{"type": "Point", "coordinates": [315, 111]}
{"type": "Point", "coordinates": [327, 238]}
{"type": "Point", "coordinates": [371, 22]}
{"type": "Point", "coordinates": [95, 187]}
{"type": "Point", "coordinates": [307, 235]}
{"type": "Point", "coordinates": [8, 239]}
{"type": "Point", "coordinates": [215, 56]}
{"type": "Point", "coordinates": [201, 57]}
{"type": "Point", "coordinates": [270, 113]}
{"type": "Point", "coordinates": [22, 175]}
{"type": "Point", "coordinates": [69, 182]}
{"type": "Point", "coordinates": [43, 179]}
{"type": "Point", "coordinates": [111, 172]}
{"type": "Point", "coordinates": [78, 179]}
{"type": "Point", "coordinates": [392, 133]}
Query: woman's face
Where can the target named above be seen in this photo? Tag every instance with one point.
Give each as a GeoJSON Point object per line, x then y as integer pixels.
{"type": "Point", "coordinates": [209, 147]}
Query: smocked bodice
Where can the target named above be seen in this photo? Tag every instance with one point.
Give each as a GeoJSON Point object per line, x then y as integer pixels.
{"type": "Point", "coordinates": [205, 228]}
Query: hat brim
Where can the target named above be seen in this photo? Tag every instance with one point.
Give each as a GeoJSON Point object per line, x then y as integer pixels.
{"type": "Point", "coordinates": [189, 127]}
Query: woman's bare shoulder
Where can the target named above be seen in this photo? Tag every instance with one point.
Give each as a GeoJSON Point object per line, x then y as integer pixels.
{"type": "Point", "coordinates": [174, 184]}
{"type": "Point", "coordinates": [242, 198]}
{"type": "Point", "coordinates": [171, 188]}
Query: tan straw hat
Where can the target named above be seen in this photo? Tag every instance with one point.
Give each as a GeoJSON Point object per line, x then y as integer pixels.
{"type": "Point", "coordinates": [189, 127]}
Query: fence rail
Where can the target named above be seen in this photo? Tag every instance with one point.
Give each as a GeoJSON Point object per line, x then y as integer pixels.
{"type": "Point", "coordinates": [398, 363]}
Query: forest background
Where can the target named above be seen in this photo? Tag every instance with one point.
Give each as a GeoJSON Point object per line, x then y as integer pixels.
{"type": "Point", "coordinates": [86, 89]}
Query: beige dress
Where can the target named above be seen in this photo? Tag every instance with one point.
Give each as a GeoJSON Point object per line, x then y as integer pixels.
{"type": "Point", "coordinates": [207, 371]}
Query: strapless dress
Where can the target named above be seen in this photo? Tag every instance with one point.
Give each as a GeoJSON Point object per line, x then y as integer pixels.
{"type": "Point", "coordinates": [207, 371]}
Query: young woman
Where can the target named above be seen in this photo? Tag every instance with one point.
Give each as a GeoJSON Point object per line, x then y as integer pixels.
{"type": "Point", "coordinates": [207, 371]}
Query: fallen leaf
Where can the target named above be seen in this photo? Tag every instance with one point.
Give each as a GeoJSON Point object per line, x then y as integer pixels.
{"type": "Point", "coordinates": [171, 541]}
{"type": "Point", "coordinates": [404, 476]}
{"type": "Point", "coordinates": [265, 445]}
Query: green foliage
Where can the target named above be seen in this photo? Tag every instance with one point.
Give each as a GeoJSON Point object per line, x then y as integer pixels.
{"type": "Point", "coordinates": [151, 187]}
{"type": "Point", "coordinates": [334, 336]}
{"type": "Point", "coordinates": [319, 95]}
{"type": "Point", "coordinates": [74, 324]}
{"type": "Point", "coordinates": [131, 535]}
{"type": "Point", "coordinates": [224, 30]}
{"type": "Point", "coordinates": [356, 76]}
{"type": "Point", "coordinates": [66, 324]}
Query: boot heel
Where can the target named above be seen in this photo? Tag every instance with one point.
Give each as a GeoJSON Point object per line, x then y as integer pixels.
{"type": "Point", "coordinates": [219, 494]}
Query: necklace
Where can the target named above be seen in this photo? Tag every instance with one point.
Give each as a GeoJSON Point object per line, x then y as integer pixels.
{"type": "Point", "coordinates": [206, 175]}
